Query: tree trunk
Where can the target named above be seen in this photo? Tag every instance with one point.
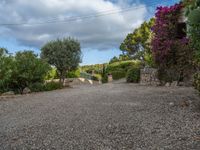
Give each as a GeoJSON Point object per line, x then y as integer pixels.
{"type": "Point", "coordinates": [62, 77]}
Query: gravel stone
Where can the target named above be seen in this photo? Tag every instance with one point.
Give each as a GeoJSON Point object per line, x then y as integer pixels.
{"type": "Point", "coordinates": [114, 116]}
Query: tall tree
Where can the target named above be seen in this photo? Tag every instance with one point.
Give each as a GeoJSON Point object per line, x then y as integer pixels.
{"type": "Point", "coordinates": [64, 54]}
{"type": "Point", "coordinates": [137, 44]}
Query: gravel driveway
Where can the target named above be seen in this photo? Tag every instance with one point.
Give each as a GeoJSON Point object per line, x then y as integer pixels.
{"type": "Point", "coordinates": [104, 117]}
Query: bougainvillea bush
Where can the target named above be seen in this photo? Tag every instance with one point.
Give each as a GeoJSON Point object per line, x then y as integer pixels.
{"type": "Point", "coordinates": [169, 49]}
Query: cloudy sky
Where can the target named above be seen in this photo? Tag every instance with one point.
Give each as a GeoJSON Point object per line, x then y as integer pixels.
{"type": "Point", "coordinates": [100, 25]}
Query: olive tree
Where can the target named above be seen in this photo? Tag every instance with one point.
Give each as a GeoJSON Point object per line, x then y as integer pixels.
{"type": "Point", "coordinates": [64, 54]}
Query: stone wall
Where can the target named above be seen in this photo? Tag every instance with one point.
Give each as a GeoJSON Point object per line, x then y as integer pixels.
{"type": "Point", "coordinates": [148, 76]}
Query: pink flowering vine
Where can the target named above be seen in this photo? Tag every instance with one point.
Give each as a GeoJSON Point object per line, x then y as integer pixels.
{"type": "Point", "coordinates": [165, 32]}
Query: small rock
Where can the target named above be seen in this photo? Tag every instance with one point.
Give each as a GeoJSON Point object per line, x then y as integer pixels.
{"type": "Point", "coordinates": [171, 103]}
{"type": "Point", "coordinates": [174, 83]}
{"type": "Point", "coordinates": [8, 93]}
{"type": "Point", "coordinates": [168, 84]}
{"type": "Point", "coordinates": [26, 91]}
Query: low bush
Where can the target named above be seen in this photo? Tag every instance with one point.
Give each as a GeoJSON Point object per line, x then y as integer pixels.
{"type": "Point", "coordinates": [118, 74]}
{"type": "Point", "coordinates": [104, 75]}
{"type": "Point", "coordinates": [37, 87]}
{"type": "Point", "coordinates": [50, 86]}
{"type": "Point", "coordinates": [133, 75]}
{"type": "Point", "coordinates": [125, 65]}
{"type": "Point", "coordinates": [73, 74]}
{"type": "Point", "coordinates": [40, 87]}
{"type": "Point", "coordinates": [197, 81]}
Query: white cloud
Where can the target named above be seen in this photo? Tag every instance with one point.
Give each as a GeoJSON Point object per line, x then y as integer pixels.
{"type": "Point", "coordinates": [98, 32]}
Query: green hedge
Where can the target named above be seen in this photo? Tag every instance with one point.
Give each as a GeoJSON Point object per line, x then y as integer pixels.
{"type": "Point", "coordinates": [133, 75]}
{"type": "Point", "coordinates": [118, 74]}
{"type": "Point", "coordinates": [53, 86]}
{"type": "Point", "coordinates": [125, 65]}
{"type": "Point", "coordinates": [50, 86]}
{"type": "Point", "coordinates": [119, 69]}
{"type": "Point", "coordinates": [197, 81]}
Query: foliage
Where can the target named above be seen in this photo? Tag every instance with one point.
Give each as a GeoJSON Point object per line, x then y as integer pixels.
{"type": "Point", "coordinates": [118, 74]}
{"type": "Point", "coordinates": [50, 86]}
{"type": "Point", "coordinates": [64, 54]}
{"type": "Point", "coordinates": [104, 75]}
{"type": "Point", "coordinates": [197, 81]}
{"type": "Point", "coordinates": [37, 87]}
{"type": "Point", "coordinates": [21, 70]}
{"type": "Point", "coordinates": [193, 13]}
{"type": "Point", "coordinates": [119, 70]}
{"type": "Point", "coordinates": [73, 74]}
{"type": "Point", "coordinates": [133, 75]}
{"type": "Point", "coordinates": [190, 5]}
{"type": "Point", "coordinates": [194, 32]}
{"type": "Point", "coordinates": [96, 69]}
{"type": "Point", "coordinates": [113, 60]}
{"type": "Point", "coordinates": [28, 69]}
{"type": "Point", "coordinates": [137, 43]}
{"type": "Point", "coordinates": [52, 74]}
{"type": "Point", "coordinates": [125, 65]}
{"type": "Point", "coordinates": [172, 54]}
{"type": "Point", "coordinates": [125, 57]}
{"type": "Point", "coordinates": [7, 66]}
{"type": "Point", "coordinates": [97, 77]}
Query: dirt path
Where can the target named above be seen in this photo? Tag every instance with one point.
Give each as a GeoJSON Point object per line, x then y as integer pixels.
{"type": "Point", "coordinates": [105, 117]}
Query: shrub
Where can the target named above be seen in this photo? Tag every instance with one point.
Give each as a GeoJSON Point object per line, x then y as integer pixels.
{"type": "Point", "coordinates": [28, 70]}
{"type": "Point", "coordinates": [50, 86]}
{"type": "Point", "coordinates": [118, 74]}
{"type": "Point", "coordinates": [52, 74]}
{"type": "Point", "coordinates": [7, 66]}
{"type": "Point", "coordinates": [95, 78]}
{"type": "Point", "coordinates": [37, 87]}
{"type": "Point", "coordinates": [125, 65]}
{"type": "Point", "coordinates": [104, 75]}
{"type": "Point", "coordinates": [73, 74]}
{"type": "Point", "coordinates": [197, 81]}
{"type": "Point", "coordinates": [133, 75]}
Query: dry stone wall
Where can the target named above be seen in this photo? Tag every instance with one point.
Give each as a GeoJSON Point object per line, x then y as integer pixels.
{"type": "Point", "coordinates": [148, 76]}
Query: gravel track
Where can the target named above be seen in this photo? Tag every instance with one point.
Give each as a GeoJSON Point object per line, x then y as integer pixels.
{"type": "Point", "coordinates": [115, 116]}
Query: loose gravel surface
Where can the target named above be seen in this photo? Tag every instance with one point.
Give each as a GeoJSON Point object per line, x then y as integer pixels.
{"type": "Point", "coordinates": [115, 116]}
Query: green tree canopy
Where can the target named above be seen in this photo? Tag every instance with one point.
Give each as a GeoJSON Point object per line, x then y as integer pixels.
{"type": "Point", "coordinates": [64, 54]}
{"type": "Point", "coordinates": [21, 70]}
{"type": "Point", "coordinates": [29, 69]}
{"type": "Point", "coordinates": [113, 60]}
{"type": "Point", "coordinates": [139, 40]}
{"type": "Point", "coordinates": [137, 43]}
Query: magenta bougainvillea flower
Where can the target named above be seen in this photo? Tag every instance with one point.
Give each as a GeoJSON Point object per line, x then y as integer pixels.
{"type": "Point", "coordinates": [165, 32]}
